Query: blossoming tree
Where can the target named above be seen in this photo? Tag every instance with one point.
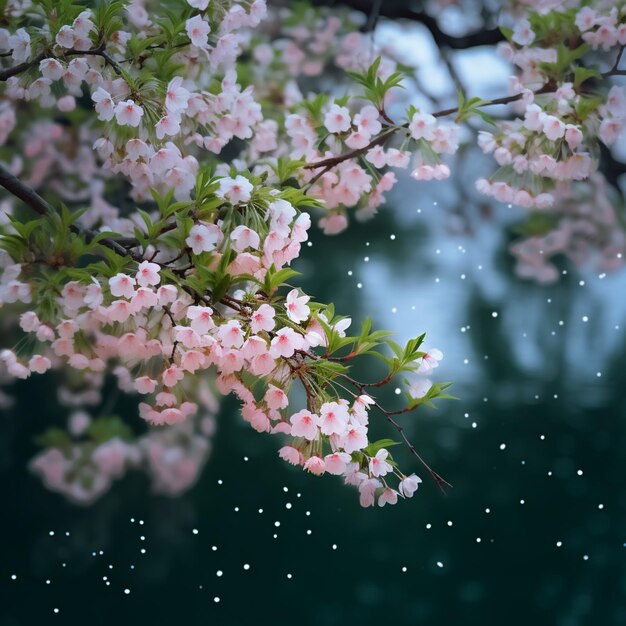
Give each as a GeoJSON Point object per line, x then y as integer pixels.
{"type": "Point", "coordinates": [160, 162]}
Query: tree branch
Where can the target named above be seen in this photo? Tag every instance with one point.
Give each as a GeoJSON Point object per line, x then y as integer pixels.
{"type": "Point", "coordinates": [31, 198]}
{"type": "Point", "coordinates": [401, 9]}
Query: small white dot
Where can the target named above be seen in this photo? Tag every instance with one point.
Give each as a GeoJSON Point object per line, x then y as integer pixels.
{"type": "Point", "coordinates": [439, 564]}
{"type": "Point", "coordinates": [219, 573]}
{"type": "Point", "coordinates": [126, 591]}
{"type": "Point", "coordinates": [502, 446]}
{"type": "Point", "coordinates": [216, 599]}
{"type": "Point", "coordinates": [56, 610]}
{"type": "Point", "coordinates": [494, 314]}
{"type": "Point", "coordinates": [404, 569]}
{"type": "Point", "coordinates": [13, 577]}
{"type": "Point", "coordinates": [559, 544]}
{"type": "Point", "coordinates": [246, 566]}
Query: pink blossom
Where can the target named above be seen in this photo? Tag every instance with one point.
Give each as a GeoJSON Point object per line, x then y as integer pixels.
{"type": "Point", "coordinates": [176, 96]}
{"type": "Point", "coordinates": [201, 318]}
{"type": "Point", "coordinates": [230, 334]}
{"type": "Point", "coordinates": [198, 31]}
{"type": "Point", "coordinates": [122, 286]}
{"type": "Point", "coordinates": [275, 398]}
{"type": "Point", "coordinates": [291, 455]}
{"type": "Point", "coordinates": [337, 119]}
{"type": "Point", "coordinates": [127, 113]}
{"type": "Point", "coordinates": [236, 190]}
{"type": "Point", "coordinates": [304, 424]}
{"type": "Point", "coordinates": [354, 439]}
{"type": "Point", "coordinates": [296, 306]}
{"type": "Point", "coordinates": [333, 418]}
{"type": "Point", "coordinates": [378, 465]}
{"type": "Point", "coordinates": [285, 343]}
{"type": "Point", "coordinates": [262, 319]}
{"type": "Point", "coordinates": [315, 465]}
{"type": "Point", "coordinates": [430, 361]}
{"type": "Point", "coordinates": [408, 485]}
{"type": "Point", "coordinates": [334, 223]}
{"type": "Point", "coordinates": [336, 463]}
{"type": "Point", "coordinates": [367, 491]}
{"type": "Point", "coordinates": [422, 126]}
{"type": "Point", "coordinates": [204, 238]}
{"type": "Point", "coordinates": [244, 237]}
{"type": "Point", "coordinates": [105, 107]}
{"type": "Point", "coordinates": [145, 384]}
{"type": "Point", "coordinates": [39, 364]}
{"type": "Point", "coordinates": [388, 496]}
{"type": "Point", "coordinates": [148, 274]}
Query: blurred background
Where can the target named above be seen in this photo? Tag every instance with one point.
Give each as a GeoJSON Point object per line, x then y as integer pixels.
{"type": "Point", "coordinates": [534, 528]}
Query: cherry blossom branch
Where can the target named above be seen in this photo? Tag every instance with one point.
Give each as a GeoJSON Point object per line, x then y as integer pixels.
{"type": "Point", "coordinates": [439, 480]}
{"type": "Point", "coordinates": [614, 71]}
{"type": "Point", "coordinates": [329, 163]}
{"type": "Point", "coordinates": [9, 72]}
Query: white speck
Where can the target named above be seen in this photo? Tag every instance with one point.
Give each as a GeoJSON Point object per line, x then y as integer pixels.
{"type": "Point", "coordinates": [522, 502]}
{"type": "Point", "coordinates": [429, 526]}
{"type": "Point", "coordinates": [277, 524]}
{"type": "Point", "coordinates": [366, 259]}
{"type": "Point", "coordinates": [580, 472]}
{"type": "Point", "coordinates": [194, 531]}
{"type": "Point", "coordinates": [219, 573]}
{"type": "Point", "coordinates": [260, 510]}
{"type": "Point", "coordinates": [334, 546]}
{"type": "Point", "coordinates": [216, 599]}
{"type": "Point", "coordinates": [289, 576]}
{"type": "Point", "coordinates": [220, 482]}
{"type": "Point", "coordinates": [359, 285]}
{"type": "Point", "coordinates": [13, 577]}
{"type": "Point", "coordinates": [439, 564]}
{"type": "Point", "coordinates": [494, 314]}
{"type": "Point", "coordinates": [559, 544]}
{"type": "Point", "coordinates": [392, 237]}
{"type": "Point", "coordinates": [502, 446]}
{"type": "Point", "coordinates": [397, 391]}
{"type": "Point", "coordinates": [56, 610]}
{"type": "Point", "coordinates": [308, 532]}
{"type": "Point", "coordinates": [126, 591]}
{"type": "Point", "coordinates": [288, 505]}
{"type": "Point", "coordinates": [478, 539]}
{"type": "Point", "coordinates": [487, 510]}
{"type": "Point", "coordinates": [236, 509]}
{"type": "Point", "coordinates": [600, 506]}
{"type": "Point", "coordinates": [214, 548]}
{"type": "Point", "coordinates": [585, 318]}
{"type": "Point", "coordinates": [246, 566]}
{"type": "Point", "coordinates": [404, 569]}
{"type": "Point", "coordinates": [51, 533]}
{"type": "Point", "coordinates": [449, 523]}
{"type": "Point", "coordinates": [586, 557]}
